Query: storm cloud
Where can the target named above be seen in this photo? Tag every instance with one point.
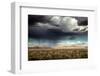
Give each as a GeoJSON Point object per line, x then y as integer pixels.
{"type": "Point", "coordinates": [51, 27]}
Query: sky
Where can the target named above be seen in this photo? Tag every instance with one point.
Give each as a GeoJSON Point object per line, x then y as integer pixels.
{"type": "Point", "coordinates": [56, 27]}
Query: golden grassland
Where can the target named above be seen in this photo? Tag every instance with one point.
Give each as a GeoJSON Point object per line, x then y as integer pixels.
{"type": "Point", "coordinates": [51, 54]}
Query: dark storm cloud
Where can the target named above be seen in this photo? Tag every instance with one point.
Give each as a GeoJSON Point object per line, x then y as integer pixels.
{"type": "Point", "coordinates": [32, 19]}
{"type": "Point", "coordinates": [82, 20]}
{"type": "Point", "coordinates": [52, 27]}
{"type": "Point", "coordinates": [41, 30]}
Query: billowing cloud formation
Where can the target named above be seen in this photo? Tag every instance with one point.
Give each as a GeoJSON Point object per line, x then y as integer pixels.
{"type": "Point", "coordinates": [49, 26]}
{"type": "Point", "coordinates": [67, 24]}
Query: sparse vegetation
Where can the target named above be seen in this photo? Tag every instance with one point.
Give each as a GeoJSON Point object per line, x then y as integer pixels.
{"type": "Point", "coordinates": [51, 54]}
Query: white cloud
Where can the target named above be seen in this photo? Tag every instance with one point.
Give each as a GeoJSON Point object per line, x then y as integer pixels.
{"type": "Point", "coordinates": [67, 24]}
{"type": "Point", "coordinates": [45, 25]}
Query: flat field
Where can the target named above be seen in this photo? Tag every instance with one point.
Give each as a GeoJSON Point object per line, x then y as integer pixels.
{"type": "Point", "coordinates": [70, 52]}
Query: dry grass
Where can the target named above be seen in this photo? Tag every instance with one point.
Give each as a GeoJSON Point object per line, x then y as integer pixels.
{"type": "Point", "coordinates": [50, 54]}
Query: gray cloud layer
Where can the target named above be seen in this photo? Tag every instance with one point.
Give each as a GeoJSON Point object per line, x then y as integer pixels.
{"type": "Point", "coordinates": [56, 25]}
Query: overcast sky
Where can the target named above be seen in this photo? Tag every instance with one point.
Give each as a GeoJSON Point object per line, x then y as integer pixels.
{"type": "Point", "coordinates": [55, 26]}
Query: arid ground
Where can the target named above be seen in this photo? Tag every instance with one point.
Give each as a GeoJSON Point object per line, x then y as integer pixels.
{"type": "Point", "coordinates": [44, 53]}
